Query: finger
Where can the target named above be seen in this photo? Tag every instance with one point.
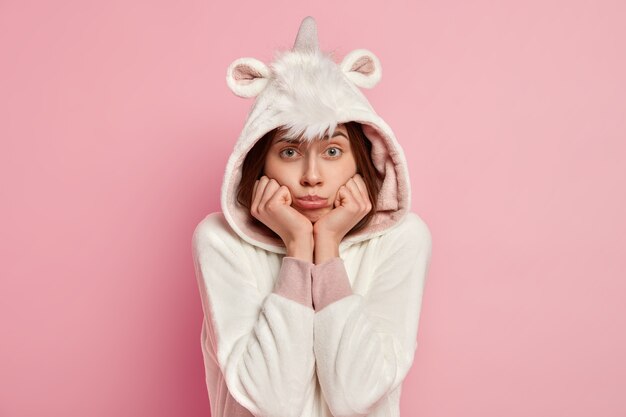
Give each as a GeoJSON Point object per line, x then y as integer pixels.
{"type": "Point", "coordinates": [339, 197]}
{"type": "Point", "coordinates": [268, 192]}
{"type": "Point", "coordinates": [360, 182]}
{"type": "Point", "coordinates": [345, 197]}
{"type": "Point", "coordinates": [282, 194]}
{"type": "Point", "coordinates": [259, 192]}
{"type": "Point", "coordinates": [356, 193]}
{"type": "Point", "coordinates": [367, 202]}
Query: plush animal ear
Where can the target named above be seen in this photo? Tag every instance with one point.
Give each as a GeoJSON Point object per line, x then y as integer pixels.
{"type": "Point", "coordinates": [362, 67]}
{"type": "Point", "coordinates": [247, 77]}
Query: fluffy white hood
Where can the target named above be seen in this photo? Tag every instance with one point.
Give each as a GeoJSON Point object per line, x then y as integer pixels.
{"type": "Point", "coordinates": [304, 90]}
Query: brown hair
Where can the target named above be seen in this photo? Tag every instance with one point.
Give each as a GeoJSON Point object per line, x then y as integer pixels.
{"type": "Point", "coordinates": [254, 163]}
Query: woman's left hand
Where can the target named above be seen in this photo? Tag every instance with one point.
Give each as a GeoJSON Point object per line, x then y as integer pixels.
{"type": "Point", "coordinates": [351, 204]}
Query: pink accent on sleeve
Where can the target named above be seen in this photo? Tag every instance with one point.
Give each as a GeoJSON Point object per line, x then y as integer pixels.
{"type": "Point", "coordinates": [330, 283]}
{"type": "Point", "coordinates": [294, 280]}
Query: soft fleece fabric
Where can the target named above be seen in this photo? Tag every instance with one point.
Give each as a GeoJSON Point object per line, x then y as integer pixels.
{"type": "Point", "coordinates": [282, 336]}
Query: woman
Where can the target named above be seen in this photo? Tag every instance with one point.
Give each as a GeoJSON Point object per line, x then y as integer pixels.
{"type": "Point", "coordinates": [311, 277]}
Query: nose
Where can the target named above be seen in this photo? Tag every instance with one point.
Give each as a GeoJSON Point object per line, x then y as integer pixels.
{"type": "Point", "coordinates": [311, 175]}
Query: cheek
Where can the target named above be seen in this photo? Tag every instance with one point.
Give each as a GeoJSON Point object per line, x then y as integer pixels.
{"type": "Point", "coordinates": [273, 167]}
{"type": "Point", "coordinates": [279, 171]}
{"type": "Point", "coordinates": [343, 174]}
{"type": "Point", "coordinates": [269, 166]}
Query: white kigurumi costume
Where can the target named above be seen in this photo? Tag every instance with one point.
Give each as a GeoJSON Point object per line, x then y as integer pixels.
{"type": "Point", "coordinates": [285, 337]}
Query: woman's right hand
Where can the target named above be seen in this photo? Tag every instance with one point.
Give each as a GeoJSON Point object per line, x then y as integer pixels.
{"type": "Point", "coordinates": [271, 204]}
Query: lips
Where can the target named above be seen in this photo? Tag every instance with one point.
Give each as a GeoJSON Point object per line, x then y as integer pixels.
{"type": "Point", "coordinates": [311, 198]}
{"type": "Point", "coordinates": [311, 202]}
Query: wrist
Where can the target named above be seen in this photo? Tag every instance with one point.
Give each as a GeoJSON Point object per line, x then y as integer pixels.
{"type": "Point", "coordinates": [301, 248]}
{"type": "Point", "coordinates": [325, 248]}
{"type": "Point", "coordinates": [324, 235]}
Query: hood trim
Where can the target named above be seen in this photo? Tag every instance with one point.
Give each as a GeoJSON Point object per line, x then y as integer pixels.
{"type": "Point", "coordinates": [389, 214]}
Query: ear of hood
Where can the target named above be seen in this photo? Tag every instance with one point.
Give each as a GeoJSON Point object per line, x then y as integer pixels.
{"type": "Point", "coordinates": [307, 93]}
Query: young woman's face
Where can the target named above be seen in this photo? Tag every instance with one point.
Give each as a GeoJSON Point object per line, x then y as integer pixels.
{"type": "Point", "coordinates": [318, 168]}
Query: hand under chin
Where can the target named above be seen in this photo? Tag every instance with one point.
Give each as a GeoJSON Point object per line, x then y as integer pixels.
{"type": "Point", "coordinates": [315, 215]}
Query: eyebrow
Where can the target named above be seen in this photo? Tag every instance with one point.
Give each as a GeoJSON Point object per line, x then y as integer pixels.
{"type": "Point", "coordinates": [289, 140]}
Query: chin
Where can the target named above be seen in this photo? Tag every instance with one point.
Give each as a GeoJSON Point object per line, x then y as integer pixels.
{"type": "Point", "coordinates": [315, 215]}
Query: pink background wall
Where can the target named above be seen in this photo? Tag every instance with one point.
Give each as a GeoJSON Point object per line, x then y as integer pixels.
{"type": "Point", "coordinates": [115, 126]}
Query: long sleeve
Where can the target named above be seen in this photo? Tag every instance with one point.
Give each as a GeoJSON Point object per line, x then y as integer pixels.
{"type": "Point", "coordinates": [365, 344]}
{"type": "Point", "coordinates": [263, 344]}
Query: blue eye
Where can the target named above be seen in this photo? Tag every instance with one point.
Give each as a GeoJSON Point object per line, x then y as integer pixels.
{"type": "Point", "coordinates": [286, 149]}
{"type": "Point", "coordinates": [334, 147]}
{"type": "Point", "coordinates": [337, 152]}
